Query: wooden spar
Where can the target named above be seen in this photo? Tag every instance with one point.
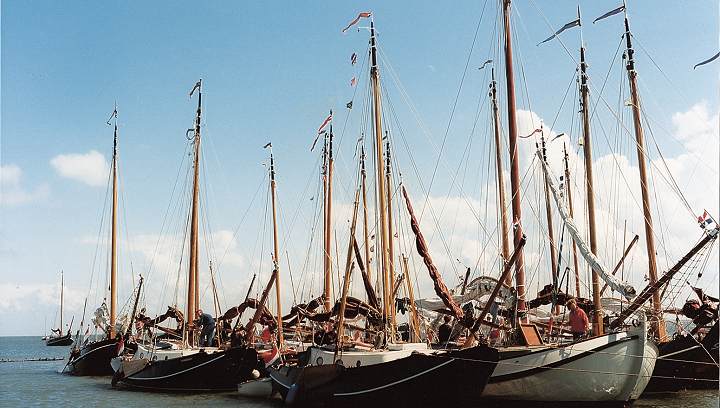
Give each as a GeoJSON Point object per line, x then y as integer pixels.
{"type": "Point", "coordinates": [625, 254]}
{"type": "Point", "coordinates": [113, 239]}
{"type": "Point", "coordinates": [658, 326]}
{"type": "Point", "coordinates": [328, 218]}
{"type": "Point", "coordinates": [590, 191]}
{"type": "Point", "coordinates": [62, 301]}
{"type": "Point", "coordinates": [514, 158]}
{"type": "Point", "coordinates": [654, 288]}
{"type": "Point", "coordinates": [276, 257]}
{"type": "Point", "coordinates": [365, 213]}
{"type": "Point", "coordinates": [250, 328]}
{"type": "Point", "coordinates": [416, 327]}
{"type": "Point", "coordinates": [349, 266]}
{"type": "Point", "coordinates": [247, 296]}
{"type": "Point", "coordinates": [551, 235]}
{"type": "Point", "coordinates": [383, 230]}
{"type": "Point", "coordinates": [508, 267]}
{"type": "Point", "coordinates": [570, 205]}
{"type": "Point", "coordinates": [500, 176]}
{"type": "Point", "coordinates": [135, 304]}
{"type": "Point", "coordinates": [193, 297]}
{"type": "Point", "coordinates": [391, 252]}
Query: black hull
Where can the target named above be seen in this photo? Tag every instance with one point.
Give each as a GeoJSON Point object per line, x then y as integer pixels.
{"type": "Point", "coordinates": [683, 364]}
{"type": "Point", "coordinates": [200, 372]}
{"type": "Point", "coordinates": [457, 378]}
{"type": "Point", "coordinates": [94, 358]}
{"type": "Point", "coordinates": [65, 340]}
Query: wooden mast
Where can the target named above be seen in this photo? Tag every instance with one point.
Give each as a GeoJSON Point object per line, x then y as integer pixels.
{"type": "Point", "coordinates": [349, 266]}
{"type": "Point", "coordinates": [551, 235]}
{"type": "Point", "coordinates": [276, 257]}
{"type": "Point", "coordinates": [590, 191]}
{"type": "Point", "coordinates": [193, 300]}
{"type": "Point", "coordinates": [365, 213]}
{"type": "Point", "coordinates": [500, 177]}
{"type": "Point", "coordinates": [62, 301]}
{"type": "Point", "coordinates": [391, 252]}
{"type": "Point", "coordinates": [327, 181]}
{"type": "Point", "coordinates": [113, 239]}
{"type": "Point", "coordinates": [383, 230]}
{"type": "Point", "coordinates": [658, 326]}
{"type": "Point", "coordinates": [514, 170]}
{"type": "Point", "coordinates": [570, 204]}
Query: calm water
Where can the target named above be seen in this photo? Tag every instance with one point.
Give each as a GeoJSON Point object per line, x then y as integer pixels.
{"type": "Point", "coordinates": [37, 383]}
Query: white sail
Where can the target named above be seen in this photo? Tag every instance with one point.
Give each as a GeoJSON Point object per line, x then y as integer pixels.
{"type": "Point", "coordinates": [624, 288]}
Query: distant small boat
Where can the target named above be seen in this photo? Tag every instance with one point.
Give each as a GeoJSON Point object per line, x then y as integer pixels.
{"type": "Point", "coordinates": [59, 339]}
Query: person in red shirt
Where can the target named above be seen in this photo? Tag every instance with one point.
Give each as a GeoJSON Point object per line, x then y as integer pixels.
{"type": "Point", "coordinates": [578, 320]}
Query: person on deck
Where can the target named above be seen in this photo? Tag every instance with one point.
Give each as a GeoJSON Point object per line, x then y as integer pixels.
{"type": "Point", "coordinates": [208, 328]}
{"type": "Point", "coordinates": [578, 320]}
{"type": "Point", "coordinates": [444, 331]}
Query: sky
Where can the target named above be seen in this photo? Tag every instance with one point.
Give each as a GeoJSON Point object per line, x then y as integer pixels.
{"type": "Point", "coordinates": [271, 72]}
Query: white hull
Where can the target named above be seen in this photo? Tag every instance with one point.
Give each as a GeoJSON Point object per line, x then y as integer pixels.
{"type": "Point", "coordinates": [612, 367]}
{"type": "Point", "coordinates": [260, 388]}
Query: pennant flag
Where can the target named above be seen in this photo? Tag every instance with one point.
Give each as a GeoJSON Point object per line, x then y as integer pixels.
{"type": "Point", "coordinates": [320, 131]}
{"type": "Point", "coordinates": [560, 135]}
{"type": "Point", "coordinates": [610, 13]}
{"type": "Point", "coordinates": [708, 61]}
{"type": "Point", "coordinates": [356, 20]}
{"type": "Point", "coordinates": [372, 248]}
{"type": "Point", "coordinates": [121, 347]}
{"type": "Point", "coordinates": [571, 24]}
{"type": "Point", "coordinates": [87, 338]}
{"type": "Point", "coordinates": [486, 62]}
{"type": "Point", "coordinates": [114, 114]}
{"type": "Point", "coordinates": [705, 220]}
{"type": "Point", "coordinates": [353, 58]}
{"type": "Point", "coordinates": [516, 224]}
{"type": "Point", "coordinates": [352, 82]}
{"type": "Point", "coordinates": [396, 235]}
{"type": "Point", "coordinates": [316, 139]}
{"type": "Point", "coordinates": [533, 132]}
{"type": "Point", "coordinates": [357, 335]}
{"type": "Point", "coordinates": [646, 278]}
{"type": "Point", "coordinates": [271, 357]}
{"type": "Point", "coordinates": [267, 145]}
{"type": "Point", "coordinates": [196, 87]}
{"type": "Point", "coordinates": [349, 105]}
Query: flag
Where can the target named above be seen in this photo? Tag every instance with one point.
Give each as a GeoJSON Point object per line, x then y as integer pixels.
{"type": "Point", "coordinates": [516, 224]}
{"type": "Point", "coordinates": [356, 20]}
{"type": "Point", "coordinates": [396, 235]}
{"type": "Point", "coordinates": [357, 335]}
{"type": "Point", "coordinates": [571, 24]}
{"type": "Point", "coordinates": [121, 347]}
{"type": "Point", "coordinates": [560, 135]}
{"type": "Point", "coordinates": [353, 58]}
{"type": "Point", "coordinates": [708, 61]}
{"type": "Point", "coordinates": [486, 62]}
{"type": "Point", "coordinates": [349, 105]}
{"type": "Point", "coordinates": [372, 248]}
{"type": "Point", "coordinates": [352, 82]}
{"type": "Point", "coordinates": [610, 13]}
{"type": "Point", "coordinates": [114, 114]}
{"type": "Point", "coordinates": [320, 131]}
{"type": "Point", "coordinates": [267, 145]}
{"type": "Point", "coordinates": [271, 357]}
{"type": "Point", "coordinates": [87, 338]}
{"type": "Point", "coordinates": [533, 132]}
{"type": "Point", "coordinates": [705, 220]}
{"type": "Point", "coordinates": [646, 278]}
{"type": "Point", "coordinates": [194, 88]}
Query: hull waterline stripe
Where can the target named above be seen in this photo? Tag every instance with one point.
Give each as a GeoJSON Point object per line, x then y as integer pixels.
{"type": "Point", "coordinates": [174, 374]}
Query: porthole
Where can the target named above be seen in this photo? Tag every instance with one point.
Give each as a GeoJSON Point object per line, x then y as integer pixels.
{"type": "Point", "coordinates": [319, 361]}
{"type": "Point", "coordinates": [358, 364]}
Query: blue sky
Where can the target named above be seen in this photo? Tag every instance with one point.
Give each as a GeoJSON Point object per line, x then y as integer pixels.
{"type": "Point", "coordinates": [271, 72]}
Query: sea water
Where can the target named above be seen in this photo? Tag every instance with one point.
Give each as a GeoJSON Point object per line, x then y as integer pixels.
{"type": "Point", "coordinates": [37, 383]}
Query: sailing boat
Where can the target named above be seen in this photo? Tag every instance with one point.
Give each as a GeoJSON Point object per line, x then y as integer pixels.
{"type": "Point", "coordinates": [93, 357]}
{"type": "Point", "coordinates": [58, 339]}
{"type": "Point", "coordinates": [163, 366]}
{"type": "Point", "coordinates": [396, 373]}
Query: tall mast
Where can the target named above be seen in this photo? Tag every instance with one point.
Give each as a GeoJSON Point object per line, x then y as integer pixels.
{"type": "Point", "coordinates": [570, 204]}
{"type": "Point", "coordinates": [590, 191]}
{"type": "Point", "coordinates": [391, 252]}
{"type": "Point", "coordinates": [514, 171]}
{"type": "Point", "coordinates": [551, 235]}
{"type": "Point", "coordinates": [62, 300]}
{"type": "Point", "coordinates": [276, 258]}
{"type": "Point", "coordinates": [382, 248]}
{"type": "Point", "coordinates": [365, 212]}
{"type": "Point", "coordinates": [657, 326]}
{"type": "Point", "coordinates": [328, 216]}
{"type": "Point", "coordinates": [113, 239]}
{"type": "Point", "coordinates": [193, 301]}
{"type": "Point", "coordinates": [500, 176]}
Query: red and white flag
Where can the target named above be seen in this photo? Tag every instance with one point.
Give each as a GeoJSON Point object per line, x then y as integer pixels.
{"type": "Point", "coordinates": [356, 20]}
{"type": "Point", "coordinates": [196, 87]}
{"type": "Point", "coordinates": [324, 124]}
{"type": "Point", "coordinates": [271, 357]}
{"type": "Point", "coordinates": [352, 82]}
{"type": "Point", "coordinates": [121, 347]}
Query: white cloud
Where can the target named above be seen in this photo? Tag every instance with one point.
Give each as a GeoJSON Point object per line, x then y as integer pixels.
{"type": "Point", "coordinates": [13, 193]}
{"type": "Point", "coordinates": [90, 168]}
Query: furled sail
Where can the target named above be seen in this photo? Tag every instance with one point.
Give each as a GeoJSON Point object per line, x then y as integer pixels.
{"type": "Point", "coordinates": [440, 289]}
{"type": "Point", "coordinates": [624, 288]}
